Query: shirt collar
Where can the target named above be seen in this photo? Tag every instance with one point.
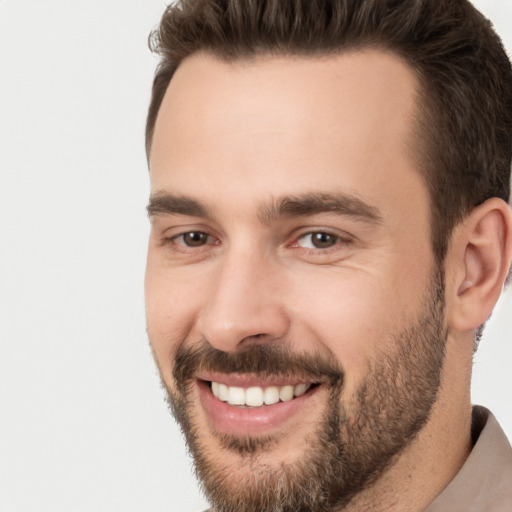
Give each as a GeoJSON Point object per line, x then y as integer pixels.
{"type": "Point", "coordinates": [484, 481]}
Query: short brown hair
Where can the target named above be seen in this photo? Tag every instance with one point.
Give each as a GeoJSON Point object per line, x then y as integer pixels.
{"type": "Point", "coordinates": [465, 75]}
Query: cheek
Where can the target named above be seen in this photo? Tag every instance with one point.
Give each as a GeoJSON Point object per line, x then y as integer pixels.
{"type": "Point", "coordinates": [355, 316]}
{"type": "Point", "coordinates": [171, 306]}
{"type": "Point", "coordinates": [347, 319]}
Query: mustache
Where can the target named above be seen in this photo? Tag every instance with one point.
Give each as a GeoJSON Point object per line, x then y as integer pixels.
{"type": "Point", "coordinates": [265, 360]}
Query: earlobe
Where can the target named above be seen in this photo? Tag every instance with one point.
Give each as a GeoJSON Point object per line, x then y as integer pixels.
{"type": "Point", "coordinates": [482, 244]}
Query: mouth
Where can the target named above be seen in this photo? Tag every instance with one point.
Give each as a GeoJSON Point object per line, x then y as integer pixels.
{"type": "Point", "coordinates": [244, 405]}
{"type": "Point", "coordinates": [258, 396]}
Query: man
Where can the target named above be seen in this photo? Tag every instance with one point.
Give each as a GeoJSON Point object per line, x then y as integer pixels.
{"type": "Point", "coordinates": [330, 230]}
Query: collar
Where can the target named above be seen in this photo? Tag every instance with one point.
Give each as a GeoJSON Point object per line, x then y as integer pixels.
{"type": "Point", "coordinates": [484, 483]}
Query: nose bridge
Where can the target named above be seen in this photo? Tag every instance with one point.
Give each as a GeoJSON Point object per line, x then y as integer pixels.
{"type": "Point", "coordinates": [244, 301]}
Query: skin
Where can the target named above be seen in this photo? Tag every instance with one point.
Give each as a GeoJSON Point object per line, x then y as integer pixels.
{"type": "Point", "coordinates": [234, 137]}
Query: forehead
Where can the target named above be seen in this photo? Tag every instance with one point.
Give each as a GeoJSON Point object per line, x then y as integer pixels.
{"type": "Point", "coordinates": [282, 125]}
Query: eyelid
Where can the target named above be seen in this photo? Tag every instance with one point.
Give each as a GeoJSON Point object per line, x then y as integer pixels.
{"type": "Point", "coordinates": [171, 236]}
{"type": "Point", "coordinates": [341, 235]}
{"type": "Point", "coordinates": [177, 227]}
{"type": "Point", "coordinates": [343, 242]}
{"type": "Point", "coordinates": [183, 235]}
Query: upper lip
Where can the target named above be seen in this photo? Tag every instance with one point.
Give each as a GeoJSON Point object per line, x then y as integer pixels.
{"type": "Point", "coordinates": [250, 380]}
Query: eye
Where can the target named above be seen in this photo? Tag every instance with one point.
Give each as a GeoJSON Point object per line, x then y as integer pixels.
{"type": "Point", "coordinates": [193, 239]}
{"type": "Point", "coordinates": [318, 240]}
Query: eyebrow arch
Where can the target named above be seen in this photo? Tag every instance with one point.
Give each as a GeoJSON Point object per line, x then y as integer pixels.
{"type": "Point", "coordinates": [314, 203]}
{"type": "Point", "coordinates": [163, 203]}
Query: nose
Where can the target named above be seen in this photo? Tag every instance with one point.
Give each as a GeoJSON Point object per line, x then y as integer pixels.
{"type": "Point", "coordinates": [244, 303]}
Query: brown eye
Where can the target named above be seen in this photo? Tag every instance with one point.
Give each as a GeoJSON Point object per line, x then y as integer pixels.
{"type": "Point", "coordinates": [323, 240]}
{"type": "Point", "coordinates": [318, 240]}
{"type": "Point", "coordinates": [194, 238]}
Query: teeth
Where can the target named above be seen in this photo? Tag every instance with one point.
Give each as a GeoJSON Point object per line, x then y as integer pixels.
{"type": "Point", "coordinates": [236, 396]}
{"type": "Point", "coordinates": [257, 396]}
{"type": "Point", "coordinates": [300, 389]}
{"type": "Point", "coordinates": [254, 397]}
{"type": "Point", "coordinates": [271, 395]}
{"type": "Point", "coordinates": [222, 393]}
{"type": "Point", "coordinates": [286, 393]}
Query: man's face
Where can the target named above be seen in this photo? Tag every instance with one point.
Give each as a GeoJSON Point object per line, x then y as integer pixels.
{"type": "Point", "coordinates": [289, 263]}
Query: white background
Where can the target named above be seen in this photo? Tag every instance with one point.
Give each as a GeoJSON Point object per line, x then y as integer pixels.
{"type": "Point", "coordinates": [83, 424]}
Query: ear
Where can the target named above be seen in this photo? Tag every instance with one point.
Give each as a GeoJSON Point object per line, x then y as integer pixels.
{"type": "Point", "coordinates": [478, 263]}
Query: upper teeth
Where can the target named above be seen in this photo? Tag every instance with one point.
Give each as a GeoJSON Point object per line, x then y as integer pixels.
{"type": "Point", "coordinates": [257, 396]}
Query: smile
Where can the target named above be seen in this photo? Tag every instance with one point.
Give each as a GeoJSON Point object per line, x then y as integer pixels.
{"type": "Point", "coordinates": [244, 405]}
{"type": "Point", "coordinates": [257, 396]}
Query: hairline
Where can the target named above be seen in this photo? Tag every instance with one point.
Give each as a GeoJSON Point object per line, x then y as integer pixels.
{"type": "Point", "coordinates": [249, 57]}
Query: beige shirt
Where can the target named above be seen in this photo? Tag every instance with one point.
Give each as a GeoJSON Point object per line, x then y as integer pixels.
{"type": "Point", "coordinates": [484, 483]}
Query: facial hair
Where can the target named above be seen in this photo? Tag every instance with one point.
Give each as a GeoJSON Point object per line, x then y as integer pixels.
{"type": "Point", "coordinates": [357, 438]}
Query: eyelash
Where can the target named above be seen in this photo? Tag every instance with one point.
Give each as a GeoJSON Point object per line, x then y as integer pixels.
{"type": "Point", "coordinates": [335, 238]}
{"type": "Point", "coordinates": [174, 240]}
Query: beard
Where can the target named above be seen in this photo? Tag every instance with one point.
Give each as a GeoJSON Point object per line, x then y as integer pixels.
{"type": "Point", "coordinates": [355, 441]}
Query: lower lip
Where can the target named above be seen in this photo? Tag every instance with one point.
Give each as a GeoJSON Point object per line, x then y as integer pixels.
{"type": "Point", "coordinates": [242, 421]}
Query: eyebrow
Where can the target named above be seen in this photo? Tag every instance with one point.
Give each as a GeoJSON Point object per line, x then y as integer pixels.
{"type": "Point", "coordinates": [315, 203]}
{"type": "Point", "coordinates": [162, 203]}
